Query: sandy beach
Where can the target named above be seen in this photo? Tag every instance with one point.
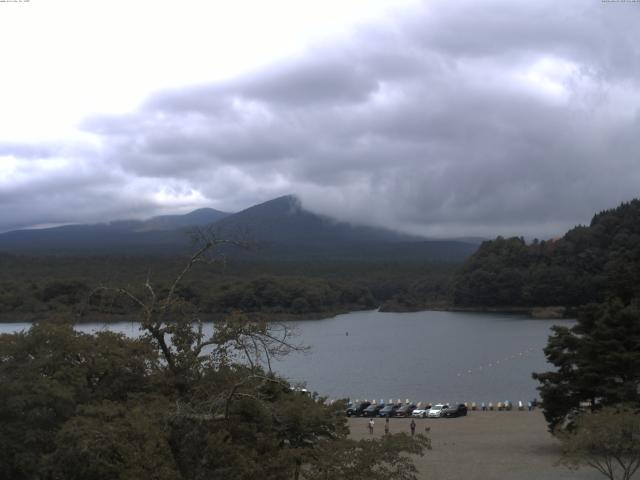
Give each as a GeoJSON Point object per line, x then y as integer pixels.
{"type": "Point", "coordinates": [513, 445]}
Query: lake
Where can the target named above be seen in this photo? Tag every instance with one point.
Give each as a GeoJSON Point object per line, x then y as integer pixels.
{"type": "Point", "coordinates": [424, 356]}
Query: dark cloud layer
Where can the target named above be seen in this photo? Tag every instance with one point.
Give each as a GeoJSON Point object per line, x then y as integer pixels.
{"type": "Point", "coordinates": [457, 118]}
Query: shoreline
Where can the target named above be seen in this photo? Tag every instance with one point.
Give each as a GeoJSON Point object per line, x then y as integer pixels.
{"type": "Point", "coordinates": [543, 313]}
{"type": "Point", "coordinates": [23, 317]}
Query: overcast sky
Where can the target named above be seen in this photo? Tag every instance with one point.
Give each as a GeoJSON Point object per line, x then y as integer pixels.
{"type": "Point", "coordinates": [444, 118]}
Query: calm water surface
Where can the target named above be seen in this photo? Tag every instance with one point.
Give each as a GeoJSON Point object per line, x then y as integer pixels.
{"type": "Point", "coordinates": [423, 356]}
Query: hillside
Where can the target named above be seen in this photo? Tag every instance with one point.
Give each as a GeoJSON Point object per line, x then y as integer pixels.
{"type": "Point", "coordinates": [588, 264]}
{"type": "Point", "coordinates": [283, 230]}
{"type": "Point", "coordinates": [280, 228]}
{"type": "Point", "coordinates": [156, 235]}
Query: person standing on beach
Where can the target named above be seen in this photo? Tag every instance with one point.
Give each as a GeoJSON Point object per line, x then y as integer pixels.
{"type": "Point", "coordinates": [386, 426]}
{"type": "Point", "coordinates": [413, 427]}
{"type": "Point", "coordinates": [371, 424]}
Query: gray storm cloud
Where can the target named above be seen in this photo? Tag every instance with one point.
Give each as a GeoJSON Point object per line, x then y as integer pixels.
{"type": "Point", "coordinates": [454, 119]}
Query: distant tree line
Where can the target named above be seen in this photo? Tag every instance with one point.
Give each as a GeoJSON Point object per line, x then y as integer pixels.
{"type": "Point", "coordinates": [36, 287]}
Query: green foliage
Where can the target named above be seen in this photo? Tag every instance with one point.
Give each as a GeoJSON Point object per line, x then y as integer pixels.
{"type": "Point", "coordinates": [607, 440]}
{"type": "Point", "coordinates": [33, 288]}
{"type": "Point", "coordinates": [588, 264]}
{"type": "Point", "coordinates": [367, 459]}
{"type": "Point", "coordinates": [270, 294]}
{"type": "Point", "coordinates": [78, 406]}
{"type": "Point", "coordinates": [494, 274]}
{"type": "Point", "coordinates": [51, 370]}
{"type": "Point", "coordinates": [175, 403]}
{"type": "Point", "coordinates": [110, 440]}
{"type": "Point", "coordinates": [597, 361]}
{"type": "Point", "coordinates": [68, 292]}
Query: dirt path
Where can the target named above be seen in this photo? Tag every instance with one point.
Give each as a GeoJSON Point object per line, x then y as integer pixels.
{"type": "Point", "coordinates": [485, 446]}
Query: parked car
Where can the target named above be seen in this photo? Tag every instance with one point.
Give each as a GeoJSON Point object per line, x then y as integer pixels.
{"type": "Point", "coordinates": [356, 409]}
{"type": "Point", "coordinates": [421, 412]}
{"type": "Point", "coordinates": [458, 410]}
{"type": "Point", "coordinates": [405, 410]}
{"type": "Point", "coordinates": [371, 411]}
{"type": "Point", "coordinates": [437, 410]}
{"type": "Point", "coordinates": [388, 410]}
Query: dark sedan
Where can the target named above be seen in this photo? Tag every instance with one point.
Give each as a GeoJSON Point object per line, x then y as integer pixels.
{"type": "Point", "coordinates": [405, 410]}
{"type": "Point", "coordinates": [356, 409]}
{"type": "Point", "coordinates": [459, 410]}
{"type": "Point", "coordinates": [388, 411]}
{"type": "Point", "coordinates": [371, 411]}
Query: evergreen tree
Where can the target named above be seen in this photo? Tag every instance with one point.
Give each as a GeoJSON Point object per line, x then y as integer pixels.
{"type": "Point", "coordinates": [588, 264]}
{"type": "Point", "coordinates": [597, 360]}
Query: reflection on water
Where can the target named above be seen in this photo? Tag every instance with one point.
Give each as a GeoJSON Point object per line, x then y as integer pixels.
{"type": "Point", "coordinates": [423, 356]}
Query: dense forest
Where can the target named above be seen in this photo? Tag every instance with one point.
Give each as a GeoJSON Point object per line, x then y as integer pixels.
{"type": "Point", "coordinates": [588, 264]}
{"type": "Point", "coordinates": [34, 287]}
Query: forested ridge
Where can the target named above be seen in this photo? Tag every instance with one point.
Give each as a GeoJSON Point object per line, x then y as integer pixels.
{"type": "Point", "coordinates": [35, 287]}
{"type": "Point", "coordinates": [588, 264]}
{"type": "Point", "coordinates": [279, 230]}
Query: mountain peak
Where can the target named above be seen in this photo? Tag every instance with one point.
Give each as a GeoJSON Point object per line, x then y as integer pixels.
{"type": "Point", "coordinates": [281, 227]}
